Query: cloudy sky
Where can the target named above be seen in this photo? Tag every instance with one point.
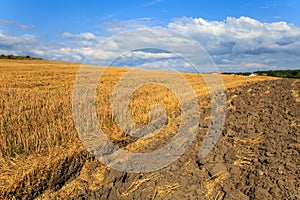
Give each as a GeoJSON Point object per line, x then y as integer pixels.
{"type": "Point", "coordinates": [239, 35]}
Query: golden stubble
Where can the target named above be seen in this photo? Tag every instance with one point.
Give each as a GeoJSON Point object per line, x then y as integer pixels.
{"type": "Point", "coordinates": [36, 114]}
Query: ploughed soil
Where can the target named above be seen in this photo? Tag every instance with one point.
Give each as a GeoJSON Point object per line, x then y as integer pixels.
{"type": "Point", "coordinates": [256, 157]}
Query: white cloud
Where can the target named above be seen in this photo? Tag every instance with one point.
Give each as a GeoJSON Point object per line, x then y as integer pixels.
{"type": "Point", "coordinates": [118, 26]}
{"type": "Point", "coordinates": [84, 36]}
{"type": "Point", "coordinates": [28, 44]}
{"type": "Point", "coordinates": [38, 52]}
{"type": "Point", "coordinates": [243, 39]}
{"type": "Point", "coordinates": [6, 22]}
{"type": "Point", "coordinates": [150, 55]}
{"type": "Point", "coordinates": [26, 27]}
{"type": "Point", "coordinates": [151, 3]}
{"type": "Point", "coordinates": [235, 44]}
{"type": "Point", "coordinates": [156, 61]}
{"type": "Point", "coordinates": [16, 44]}
{"type": "Point", "coordinates": [241, 34]}
{"type": "Point", "coordinates": [19, 25]}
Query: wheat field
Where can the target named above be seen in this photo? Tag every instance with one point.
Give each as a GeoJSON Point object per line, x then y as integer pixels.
{"type": "Point", "coordinates": [37, 131]}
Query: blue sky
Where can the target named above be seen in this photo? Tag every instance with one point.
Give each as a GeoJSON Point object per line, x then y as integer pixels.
{"type": "Point", "coordinates": [62, 29]}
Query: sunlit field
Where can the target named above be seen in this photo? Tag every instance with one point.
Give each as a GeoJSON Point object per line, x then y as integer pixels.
{"type": "Point", "coordinates": [38, 135]}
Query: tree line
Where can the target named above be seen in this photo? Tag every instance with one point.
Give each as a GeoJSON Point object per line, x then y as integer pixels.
{"type": "Point", "coordinates": [275, 73]}
{"type": "Point", "coordinates": [18, 57]}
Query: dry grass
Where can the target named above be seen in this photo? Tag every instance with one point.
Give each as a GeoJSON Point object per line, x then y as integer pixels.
{"type": "Point", "coordinates": [230, 105]}
{"type": "Point", "coordinates": [214, 184]}
{"type": "Point", "coordinates": [90, 178]}
{"type": "Point", "coordinates": [136, 184]}
{"type": "Point", "coordinates": [21, 176]}
{"type": "Point", "coordinates": [244, 150]}
{"type": "Point", "coordinates": [164, 190]}
{"type": "Point", "coordinates": [35, 106]}
{"type": "Point", "coordinates": [37, 132]}
{"type": "Point", "coordinates": [295, 93]}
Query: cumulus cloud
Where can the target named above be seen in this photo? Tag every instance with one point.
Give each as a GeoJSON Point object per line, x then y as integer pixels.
{"type": "Point", "coordinates": [156, 60]}
{"type": "Point", "coordinates": [240, 35]}
{"type": "Point", "coordinates": [29, 44]}
{"type": "Point", "coordinates": [235, 44]}
{"type": "Point", "coordinates": [156, 47]}
{"type": "Point", "coordinates": [151, 55]}
{"type": "Point", "coordinates": [238, 41]}
{"type": "Point", "coordinates": [16, 44]}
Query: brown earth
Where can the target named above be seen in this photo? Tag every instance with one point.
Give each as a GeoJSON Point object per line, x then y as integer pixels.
{"type": "Point", "coordinates": [257, 156]}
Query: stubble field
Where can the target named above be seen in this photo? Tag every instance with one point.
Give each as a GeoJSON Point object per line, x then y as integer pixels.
{"type": "Point", "coordinates": [41, 155]}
